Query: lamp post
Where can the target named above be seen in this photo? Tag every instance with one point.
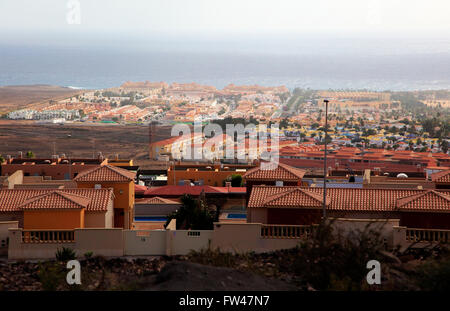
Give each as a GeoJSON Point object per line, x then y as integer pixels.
{"type": "Point", "coordinates": [325, 163]}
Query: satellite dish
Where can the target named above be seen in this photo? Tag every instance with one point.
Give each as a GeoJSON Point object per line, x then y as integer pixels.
{"type": "Point", "coordinates": [402, 175]}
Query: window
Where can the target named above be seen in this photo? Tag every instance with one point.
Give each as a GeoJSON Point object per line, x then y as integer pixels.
{"type": "Point", "coordinates": [279, 183]}
{"type": "Point", "coordinates": [193, 233]}
{"type": "Point", "coordinates": [98, 186]}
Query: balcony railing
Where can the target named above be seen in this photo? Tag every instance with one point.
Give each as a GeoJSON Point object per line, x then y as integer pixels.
{"type": "Point", "coordinates": [285, 231]}
{"type": "Point", "coordinates": [428, 235]}
{"type": "Point", "coordinates": [48, 236]}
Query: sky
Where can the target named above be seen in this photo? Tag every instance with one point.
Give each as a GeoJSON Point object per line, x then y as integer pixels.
{"type": "Point", "coordinates": [228, 21]}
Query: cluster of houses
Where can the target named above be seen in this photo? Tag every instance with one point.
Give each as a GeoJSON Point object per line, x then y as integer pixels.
{"type": "Point", "coordinates": [44, 199]}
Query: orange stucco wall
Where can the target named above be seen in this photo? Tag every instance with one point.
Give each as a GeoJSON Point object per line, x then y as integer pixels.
{"type": "Point", "coordinates": [123, 192]}
{"type": "Point", "coordinates": [66, 219]}
{"type": "Point", "coordinates": [123, 196]}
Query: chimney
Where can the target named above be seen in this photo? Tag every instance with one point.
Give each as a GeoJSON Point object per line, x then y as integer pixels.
{"type": "Point", "coordinates": [20, 154]}
{"type": "Point", "coordinates": [228, 184]}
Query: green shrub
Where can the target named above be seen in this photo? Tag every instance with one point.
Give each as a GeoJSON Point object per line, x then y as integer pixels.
{"type": "Point", "coordinates": [330, 260]}
{"type": "Point", "coordinates": [65, 254]}
{"type": "Point", "coordinates": [434, 275]}
{"type": "Point", "coordinates": [88, 255]}
{"type": "Point", "coordinates": [51, 275]}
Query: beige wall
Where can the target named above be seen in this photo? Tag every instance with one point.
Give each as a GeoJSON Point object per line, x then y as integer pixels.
{"type": "Point", "coordinates": [246, 237]}
{"type": "Point", "coordinates": [15, 179]}
{"type": "Point", "coordinates": [257, 215]}
{"type": "Point", "coordinates": [149, 242]}
{"type": "Point", "coordinates": [384, 226]}
{"type": "Point", "coordinates": [183, 242]}
{"type": "Point", "coordinates": [103, 242]}
{"type": "Point", "coordinates": [19, 250]}
{"type": "Point", "coordinates": [404, 237]}
{"type": "Point", "coordinates": [4, 233]}
{"type": "Point", "coordinates": [100, 219]}
{"type": "Point", "coordinates": [228, 237]}
{"type": "Point", "coordinates": [5, 226]}
{"type": "Point", "coordinates": [165, 242]}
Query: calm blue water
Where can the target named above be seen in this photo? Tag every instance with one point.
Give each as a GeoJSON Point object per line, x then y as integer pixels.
{"type": "Point", "coordinates": [102, 68]}
{"type": "Point", "coordinates": [237, 216]}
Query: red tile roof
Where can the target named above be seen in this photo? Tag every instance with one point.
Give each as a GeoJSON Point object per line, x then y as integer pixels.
{"type": "Point", "coordinates": [157, 200]}
{"type": "Point", "coordinates": [431, 199]}
{"type": "Point", "coordinates": [279, 172]}
{"type": "Point", "coordinates": [12, 199]}
{"type": "Point", "coordinates": [441, 177]}
{"type": "Point", "coordinates": [344, 199]}
{"type": "Point", "coordinates": [105, 173]}
{"type": "Point", "coordinates": [140, 189]}
{"type": "Point", "coordinates": [295, 198]}
{"type": "Point", "coordinates": [56, 200]}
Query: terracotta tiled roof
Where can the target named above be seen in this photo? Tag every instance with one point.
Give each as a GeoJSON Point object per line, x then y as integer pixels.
{"type": "Point", "coordinates": [140, 189]}
{"type": "Point", "coordinates": [276, 172]}
{"type": "Point", "coordinates": [172, 190]}
{"type": "Point", "coordinates": [342, 199]}
{"type": "Point", "coordinates": [295, 198]}
{"type": "Point", "coordinates": [105, 173]}
{"type": "Point", "coordinates": [432, 199]}
{"type": "Point", "coordinates": [157, 200]}
{"type": "Point", "coordinates": [56, 200]}
{"type": "Point", "coordinates": [12, 199]}
{"type": "Point", "coordinates": [443, 176]}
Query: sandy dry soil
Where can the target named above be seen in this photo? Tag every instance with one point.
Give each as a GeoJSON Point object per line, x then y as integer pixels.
{"type": "Point", "coordinates": [76, 140]}
{"type": "Point", "coordinates": [19, 97]}
{"type": "Point", "coordinates": [80, 140]}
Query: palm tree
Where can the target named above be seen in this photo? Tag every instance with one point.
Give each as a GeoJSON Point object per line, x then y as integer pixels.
{"type": "Point", "coordinates": [30, 154]}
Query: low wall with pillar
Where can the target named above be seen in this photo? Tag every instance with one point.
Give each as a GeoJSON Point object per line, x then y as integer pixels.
{"type": "Point", "coordinates": [228, 237]}
{"type": "Point", "coordinates": [165, 242]}
{"type": "Point", "coordinates": [256, 237]}
{"type": "Point", "coordinates": [404, 237]}
{"type": "Point", "coordinates": [385, 227]}
{"type": "Point", "coordinates": [43, 244]}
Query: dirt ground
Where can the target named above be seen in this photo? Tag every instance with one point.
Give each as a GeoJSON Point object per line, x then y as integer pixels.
{"type": "Point", "coordinates": [182, 275]}
{"type": "Point", "coordinates": [76, 140]}
{"type": "Point", "coordinates": [25, 96]}
{"type": "Point", "coordinates": [148, 274]}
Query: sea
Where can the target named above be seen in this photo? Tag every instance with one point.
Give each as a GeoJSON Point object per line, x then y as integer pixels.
{"type": "Point", "coordinates": [99, 68]}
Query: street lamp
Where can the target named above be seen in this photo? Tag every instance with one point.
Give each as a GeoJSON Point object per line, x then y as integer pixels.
{"type": "Point", "coordinates": [325, 163]}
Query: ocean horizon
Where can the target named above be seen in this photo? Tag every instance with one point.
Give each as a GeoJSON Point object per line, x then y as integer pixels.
{"type": "Point", "coordinates": [98, 69]}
